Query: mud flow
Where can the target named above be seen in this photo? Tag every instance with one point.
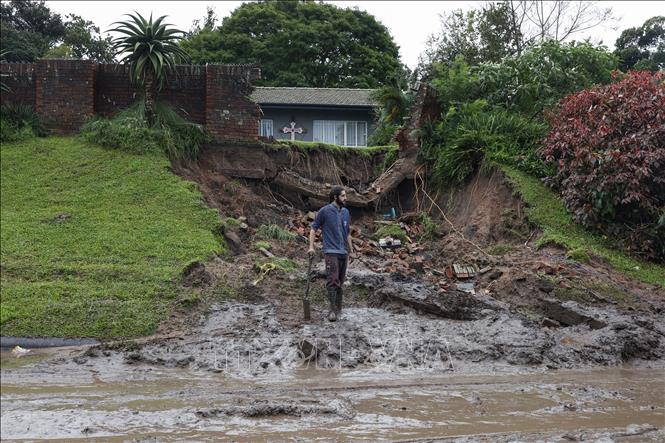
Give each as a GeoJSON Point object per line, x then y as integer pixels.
{"type": "Point", "coordinates": [379, 374]}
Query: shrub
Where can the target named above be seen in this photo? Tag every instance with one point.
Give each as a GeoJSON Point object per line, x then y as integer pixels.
{"type": "Point", "coordinates": [128, 131]}
{"type": "Point", "coordinates": [10, 132]}
{"type": "Point", "coordinates": [608, 144]}
{"type": "Point", "coordinates": [384, 134]}
{"type": "Point", "coordinates": [273, 231]}
{"type": "Point", "coordinates": [19, 122]}
{"type": "Point", "coordinates": [469, 133]}
{"type": "Point", "coordinates": [527, 83]}
{"type": "Point", "coordinates": [544, 74]}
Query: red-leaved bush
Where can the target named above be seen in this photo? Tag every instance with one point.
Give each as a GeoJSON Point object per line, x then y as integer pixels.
{"type": "Point", "coordinates": [608, 143]}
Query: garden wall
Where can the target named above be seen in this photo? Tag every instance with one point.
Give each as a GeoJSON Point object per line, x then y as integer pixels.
{"type": "Point", "coordinates": [64, 93]}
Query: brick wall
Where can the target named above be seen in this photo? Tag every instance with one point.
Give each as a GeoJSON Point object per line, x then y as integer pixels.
{"type": "Point", "coordinates": [113, 91]}
{"type": "Point", "coordinates": [184, 90]}
{"type": "Point", "coordinates": [20, 77]}
{"type": "Point", "coordinates": [66, 92]}
{"type": "Point", "coordinates": [229, 112]}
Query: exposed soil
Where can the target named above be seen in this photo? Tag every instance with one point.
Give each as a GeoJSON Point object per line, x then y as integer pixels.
{"type": "Point", "coordinates": [522, 307]}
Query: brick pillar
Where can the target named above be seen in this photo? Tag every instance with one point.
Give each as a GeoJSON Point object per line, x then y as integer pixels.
{"type": "Point", "coordinates": [64, 93]}
{"type": "Point", "coordinates": [230, 113]}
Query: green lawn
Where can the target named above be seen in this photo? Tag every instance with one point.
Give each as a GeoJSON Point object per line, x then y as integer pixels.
{"type": "Point", "coordinates": [94, 241]}
{"type": "Point", "coordinates": [547, 211]}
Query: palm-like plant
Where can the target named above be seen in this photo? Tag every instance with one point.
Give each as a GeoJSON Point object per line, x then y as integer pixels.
{"type": "Point", "coordinates": [151, 50]}
{"type": "Point", "coordinates": [393, 102]}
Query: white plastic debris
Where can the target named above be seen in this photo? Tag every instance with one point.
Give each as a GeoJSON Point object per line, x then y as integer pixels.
{"type": "Point", "coordinates": [390, 243]}
{"type": "Point", "coordinates": [19, 351]}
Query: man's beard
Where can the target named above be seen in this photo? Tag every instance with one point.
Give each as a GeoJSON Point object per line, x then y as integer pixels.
{"type": "Point", "coordinates": [340, 202]}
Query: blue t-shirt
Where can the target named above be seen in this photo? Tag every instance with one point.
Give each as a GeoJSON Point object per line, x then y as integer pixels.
{"type": "Point", "coordinates": [335, 224]}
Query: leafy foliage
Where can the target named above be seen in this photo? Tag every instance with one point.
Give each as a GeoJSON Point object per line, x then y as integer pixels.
{"type": "Point", "coordinates": [301, 43]}
{"type": "Point", "coordinates": [30, 30]}
{"type": "Point", "coordinates": [395, 103]}
{"type": "Point", "coordinates": [149, 47]}
{"type": "Point", "coordinates": [19, 122]}
{"type": "Point", "coordinates": [471, 133]}
{"type": "Point", "coordinates": [493, 111]}
{"type": "Point", "coordinates": [496, 30]}
{"type": "Point", "coordinates": [643, 47]}
{"type": "Point", "coordinates": [543, 75]}
{"type": "Point", "coordinates": [128, 131]}
{"type": "Point", "coordinates": [608, 144]}
{"type": "Point", "coordinates": [480, 35]}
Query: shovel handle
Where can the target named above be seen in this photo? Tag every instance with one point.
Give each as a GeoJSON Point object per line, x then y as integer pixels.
{"type": "Point", "coordinates": [305, 300]}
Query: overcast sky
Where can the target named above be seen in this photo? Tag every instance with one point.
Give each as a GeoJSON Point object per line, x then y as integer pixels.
{"type": "Point", "coordinates": [409, 22]}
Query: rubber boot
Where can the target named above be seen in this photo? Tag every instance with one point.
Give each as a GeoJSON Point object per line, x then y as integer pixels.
{"type": "Point", "coordinates": [332, 298]}
{"type": "Point", "coordinates": [338, 302]}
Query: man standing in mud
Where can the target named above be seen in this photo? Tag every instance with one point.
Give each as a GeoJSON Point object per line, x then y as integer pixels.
{"type": "Point", "coordinates": [334, 221]}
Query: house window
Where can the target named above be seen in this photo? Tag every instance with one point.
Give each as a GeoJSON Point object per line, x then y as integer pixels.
{"type": "Point", "coordinates": [266, 128]}
{"type": "Point", "coordinates": [345, 133]}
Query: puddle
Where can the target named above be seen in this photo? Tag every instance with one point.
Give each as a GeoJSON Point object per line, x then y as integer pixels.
{"type": "Point", "coordinates": [323, 404]}
{"type": "Point", "coordinates": [10, 361]}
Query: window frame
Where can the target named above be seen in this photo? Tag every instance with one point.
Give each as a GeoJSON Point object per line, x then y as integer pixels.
{"type": "Point", "coordinates": [321, 126]}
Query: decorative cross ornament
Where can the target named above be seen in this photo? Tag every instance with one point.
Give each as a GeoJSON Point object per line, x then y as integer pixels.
{"type": "Point", "coordinates": [292, 130]}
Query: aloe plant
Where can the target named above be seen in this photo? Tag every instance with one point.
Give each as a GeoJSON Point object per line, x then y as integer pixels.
{"type": "Point", "coordinates": [151, 49]}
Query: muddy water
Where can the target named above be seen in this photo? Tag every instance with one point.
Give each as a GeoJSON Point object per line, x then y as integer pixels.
{"type": "Point", "coordinates": [150, 403]}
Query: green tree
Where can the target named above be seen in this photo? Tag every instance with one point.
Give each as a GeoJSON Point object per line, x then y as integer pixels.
{"type": "Point", "coordinates": [643, 47]}
{"type": "Point", "coordinates": [301, 43]}
{"type": "Point", "coordinates": [30, 30]}
{"type": "Point", "coordinates": [543, 75]}
{"type": "Point", "coordinates": [151, 49]}
{"type": "Point", "coordinates": [501, 29]}
{"type": "Point", "coordinates": [480, 35]}
{"type": "Point", "coordinates": [85, 41]}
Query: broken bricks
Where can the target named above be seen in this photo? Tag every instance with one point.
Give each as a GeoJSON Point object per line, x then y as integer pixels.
{"type": "Point", "coordinates": [461, 271]}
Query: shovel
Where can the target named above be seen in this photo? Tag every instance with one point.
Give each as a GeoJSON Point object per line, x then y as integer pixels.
{"type": "Point", "coordinates": [305, 300]}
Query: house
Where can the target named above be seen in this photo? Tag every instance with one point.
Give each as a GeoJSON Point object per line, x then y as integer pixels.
{"type": "Point", "coordinates": [328, 115]}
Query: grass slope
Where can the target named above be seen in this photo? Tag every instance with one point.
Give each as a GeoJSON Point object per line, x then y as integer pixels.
{"type": "Point", "coordinates": [94, 240]}
{"type": "Point", "coordinates": [547, 211]}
